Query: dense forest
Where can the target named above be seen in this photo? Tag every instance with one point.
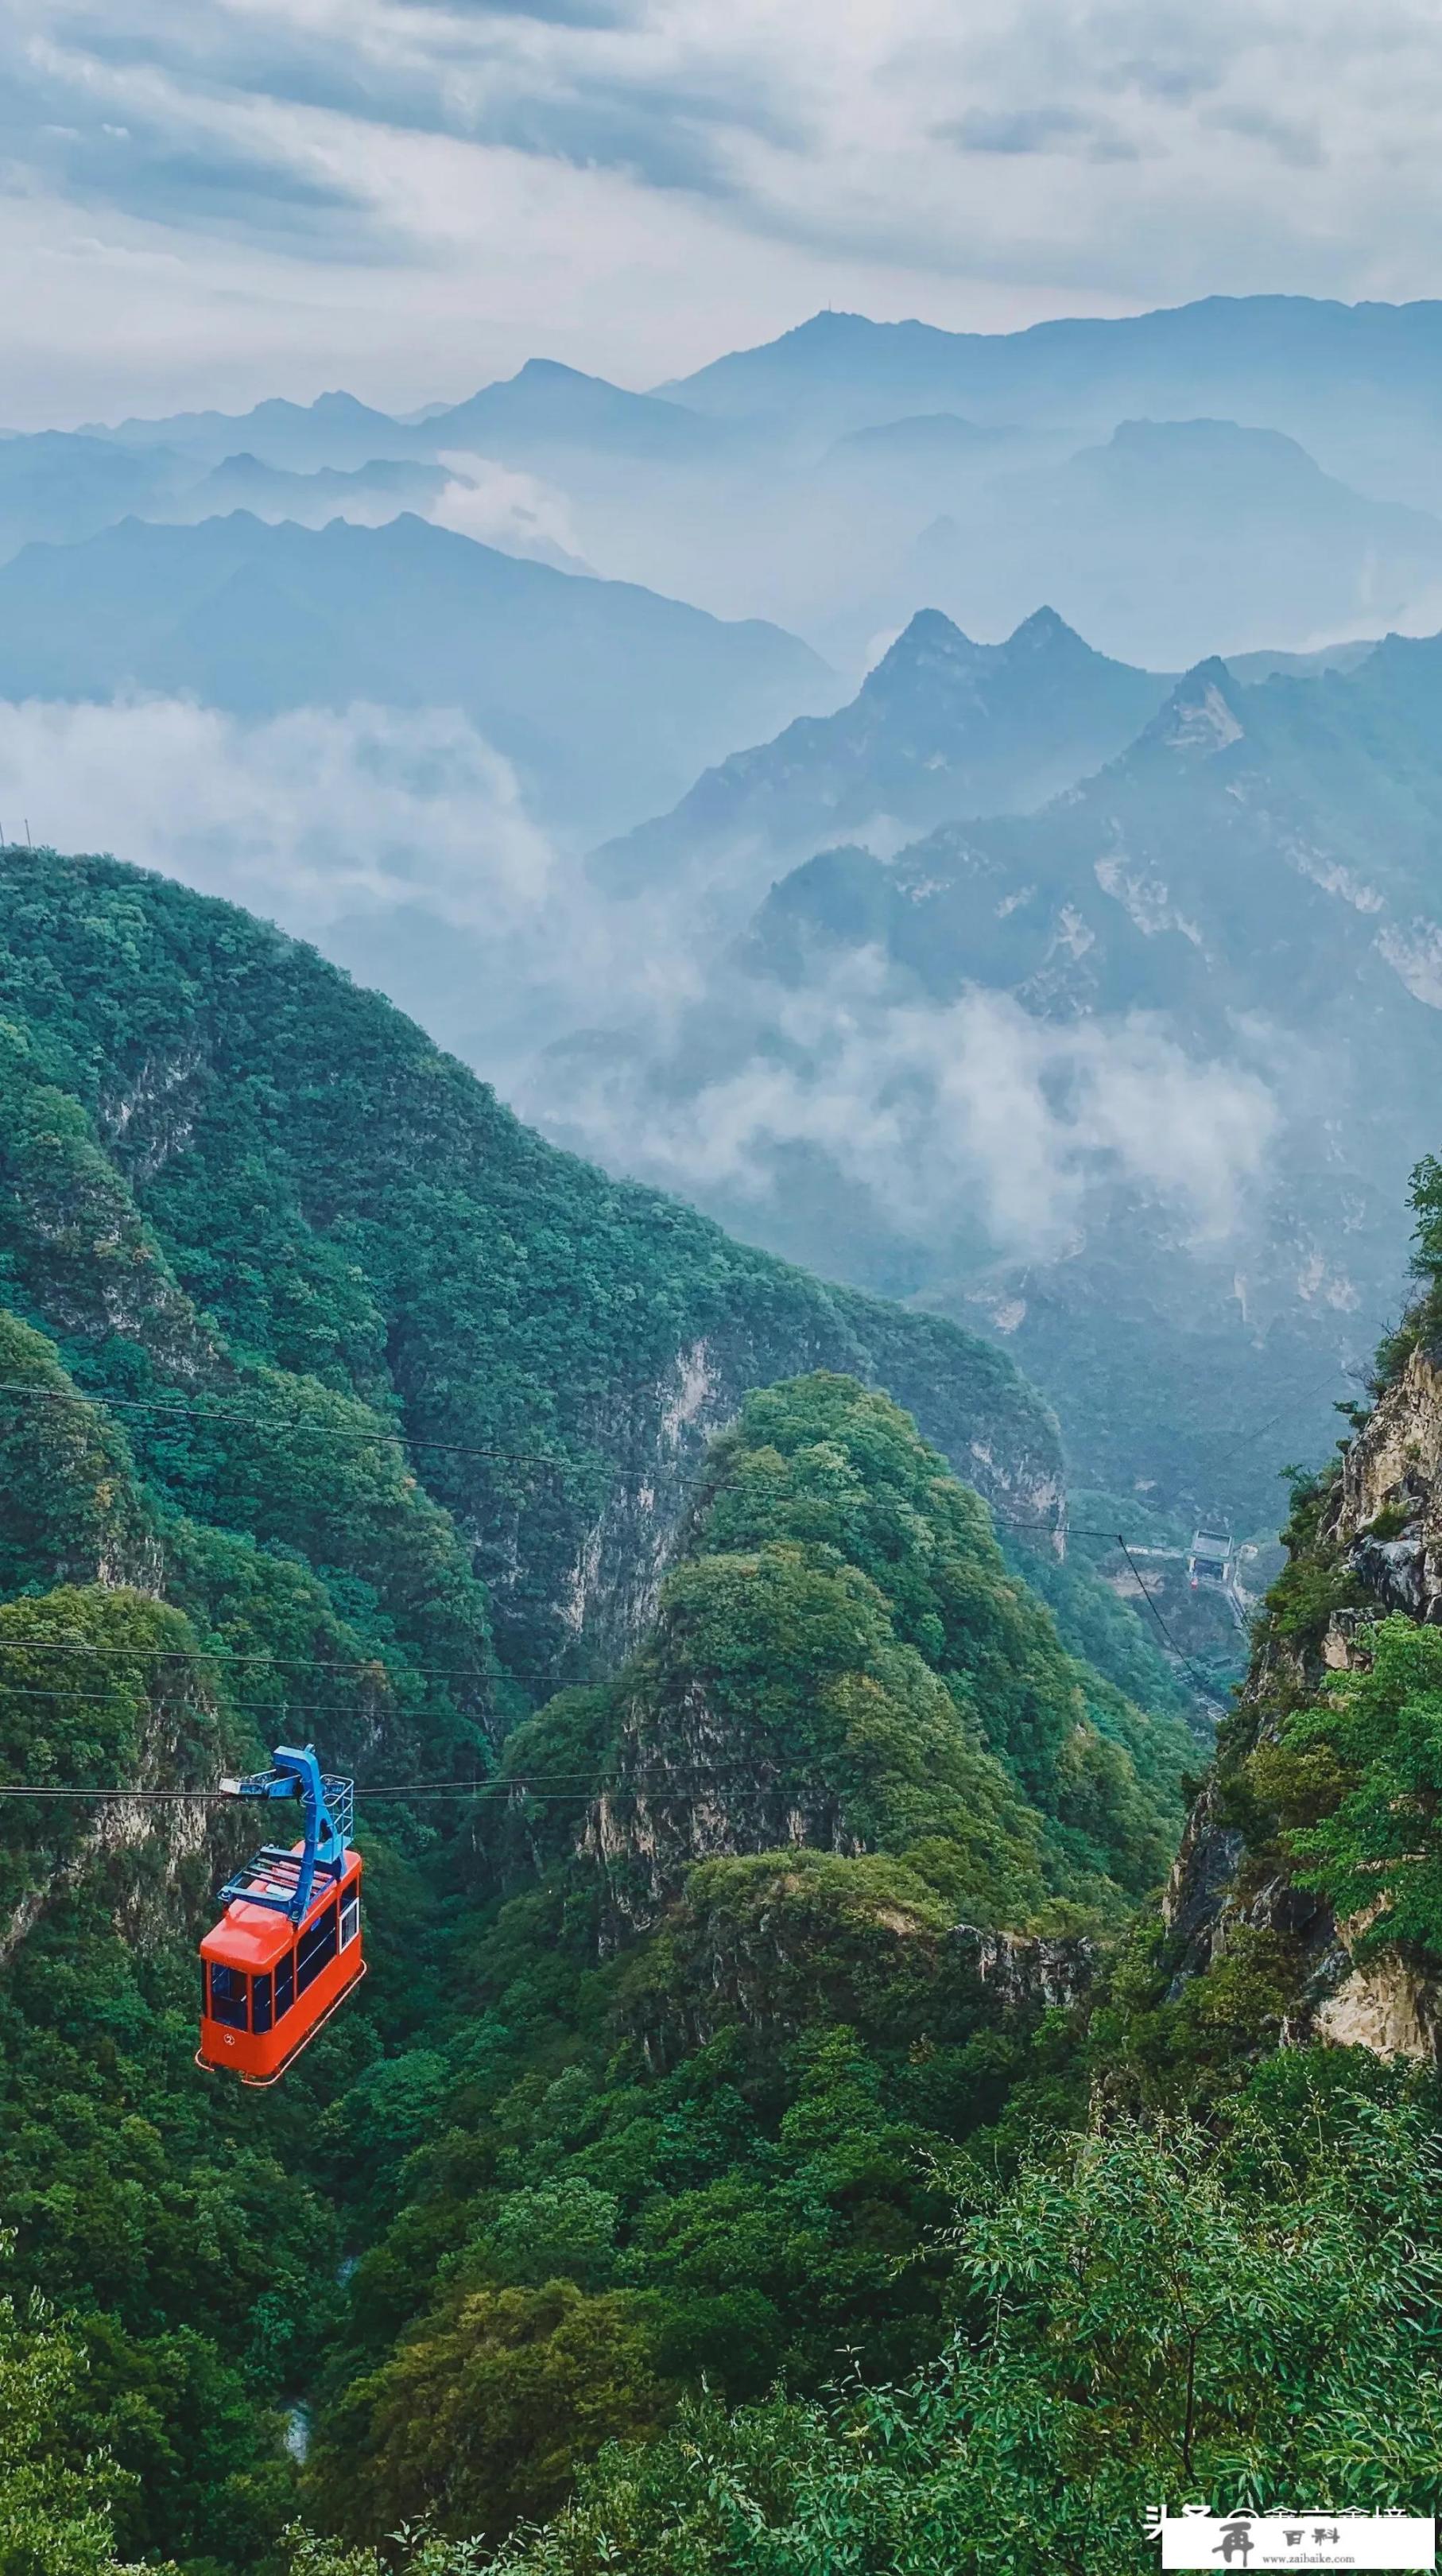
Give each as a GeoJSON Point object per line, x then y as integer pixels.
{"type": "Point", "coordinates": [335, 1405]}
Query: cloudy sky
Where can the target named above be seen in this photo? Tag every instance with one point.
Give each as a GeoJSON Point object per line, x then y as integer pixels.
{"type": "Point", "coordinates": [204, 200]}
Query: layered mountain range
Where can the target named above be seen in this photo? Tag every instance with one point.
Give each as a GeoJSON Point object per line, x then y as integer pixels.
{"type": "Point", "coordinates": [1231, 476]}
{"type": "Point", "coordinates": [257, 618]}
{"type": "Point", "coordinates": [1362, 378]}
{"type": "Point", "coordinates": [1204, 981]}
{"type": "Point", "coordinates": [940, 727]}
{"type": "Point", "coordinates": [1211, 477]}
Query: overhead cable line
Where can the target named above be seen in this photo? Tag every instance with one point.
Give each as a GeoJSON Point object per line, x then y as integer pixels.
{"type": "Point", "coordinates": [222, 1656]}
{"type": "Point", "coordinates": [1205, 1689]}
{"type": "Point", "coordinates": [291, 1425]}
{"type": "Point", "coordinates": [245, 1708]}
{"type": "Point", "coordinates": [570, 1785]}
{"type": "Point", "coordinates": [332, 1708]}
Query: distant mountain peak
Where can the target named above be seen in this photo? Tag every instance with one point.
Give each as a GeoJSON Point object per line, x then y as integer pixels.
{"type": "Point", "coordinates": [546, 400]}
{"type": "Point", "coordinates": [1041, 630]}
{"type": "Point", "coordinates": [829, 322]}
{"type": "Point", "coordinates": [927, 629]}
{"type": "Point", "coordinates": [928, 642]}
{"type": "Point", "coordinates": [555, 371]}
{"type": "Point", "coordinates": [1183, 440]}
{"type": "Point", "coordinates": [1204, 713]}
{"type": "Point", "coordinates": [942, 729]}
{"type": "Point", "coordinates": [938, 437]}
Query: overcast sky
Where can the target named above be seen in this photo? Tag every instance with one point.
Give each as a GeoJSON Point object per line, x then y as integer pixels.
{"type": "Point", "coordinates": [208, 200]}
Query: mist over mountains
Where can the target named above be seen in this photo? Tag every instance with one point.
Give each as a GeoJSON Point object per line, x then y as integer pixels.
{"type": "Point", "coordinates": [1139, 1076]}
{"type": "Point", "coordinates": [1360, 382]}
{"type": "Point", "coordinates": [255, 619]}
{"type": "Point", "coordinates": [953, 919]}
{"type": "Point", "coordinates": [1143, 476]}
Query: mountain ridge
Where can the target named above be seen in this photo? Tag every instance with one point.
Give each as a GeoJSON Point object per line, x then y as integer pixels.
{"type": "Point", "coordinates": [940, 725]}
{"type": "Point", "coordinates": [1255, 869]}
{"type": "Point", "coordinates": [547, 663]}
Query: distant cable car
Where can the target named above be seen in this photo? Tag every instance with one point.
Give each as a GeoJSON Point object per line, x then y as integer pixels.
{"type": "Point", "coordinates": [287, 1950]}
{"type": "Point", "coordinates": [1209, 1558]}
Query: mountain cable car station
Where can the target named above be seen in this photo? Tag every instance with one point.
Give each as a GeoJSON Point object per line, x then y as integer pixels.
{"type": "Point", "coordinates": [287, 1949]}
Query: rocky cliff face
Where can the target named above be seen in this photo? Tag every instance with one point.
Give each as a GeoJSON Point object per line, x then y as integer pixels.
{"type": "Point", "coordinates": [842, 1667]}
{"type": "Point", "coordinates": [1378, 1535]}
{"type": "Point", "coordinates": [653, 1434]}
{"type": "Point", "coordinates": [1386, 1510]}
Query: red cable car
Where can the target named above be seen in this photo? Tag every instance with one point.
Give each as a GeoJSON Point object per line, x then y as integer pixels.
{"type": "Point", "coordinates": [287, 1950]}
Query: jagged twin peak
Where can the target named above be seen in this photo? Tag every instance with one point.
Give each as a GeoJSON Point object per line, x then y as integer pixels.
{"type": "Point", "coordinates": [942, 728]}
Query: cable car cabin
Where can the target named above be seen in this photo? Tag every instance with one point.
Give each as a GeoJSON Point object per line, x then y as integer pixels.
{"type": "Point", "coordinates": [267, 1984]}
{"type": "Point", "coordinates": [287, 1949]}
{"type": "Point", "coordinates": [1209, 1558]}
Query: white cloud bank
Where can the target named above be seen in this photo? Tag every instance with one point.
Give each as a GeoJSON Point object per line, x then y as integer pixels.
{"type": "Point", "coordinates": [498, 505]}
{"type": "Point", "coordinates": [399, 842]}
{"type": "Point", "coordinates": [936, 1109]}
{"type": "Point", "coordinates": [309, 818]}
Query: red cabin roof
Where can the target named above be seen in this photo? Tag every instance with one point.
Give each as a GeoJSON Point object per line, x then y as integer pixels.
{"type": "Point", "coordinates": [255, 1936]}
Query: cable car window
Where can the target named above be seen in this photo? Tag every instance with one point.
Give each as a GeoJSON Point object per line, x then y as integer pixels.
{"type": "Point", "coordinates": [349, 1917]}
{"type": "Point", "coordinates": [260, 2004]}
{"type": "Point", "coordinates": [228, 1995]}
{"type": "Point", "coordinates": [204, 1988]}
{"type": "Point", "coordinates": [284, 1985]}
{"type": "Point", "coordinates": [315, 1950]}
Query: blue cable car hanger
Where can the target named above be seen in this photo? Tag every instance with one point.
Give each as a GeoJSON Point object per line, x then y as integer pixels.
{"type": "Point", "coordinates": [284, 1879]}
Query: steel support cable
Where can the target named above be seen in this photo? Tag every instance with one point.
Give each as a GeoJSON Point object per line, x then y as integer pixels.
{"type": "Point", "coordinates": [1204, 1688]}
{"type": "Point", "coordinates": [490, 1791]}
{"type": "Point", "coordinates": [293, 1425]}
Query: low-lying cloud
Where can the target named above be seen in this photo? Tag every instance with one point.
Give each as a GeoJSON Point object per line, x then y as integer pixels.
{"type": "Point", "coordinates": [397, 839]}
{"type": "Point", "coordinates": [309, 817]}
{"type": "Point", "coordinates": [932, 1109]}
{"type": "Point", "coordinates": [500, 506]}
{"type": "Point", "coordinates": [399, 842]}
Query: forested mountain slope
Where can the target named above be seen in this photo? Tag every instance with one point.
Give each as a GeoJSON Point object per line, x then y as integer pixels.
{"type": "Point", "coordinates": [280, 1194]}
{"type": "Point", "coordinates": [694, 2060]}
{"type": "Point", "coordinates": [1251, 2087]}
{"type": "Point", "coordinates": [656, 2045]}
